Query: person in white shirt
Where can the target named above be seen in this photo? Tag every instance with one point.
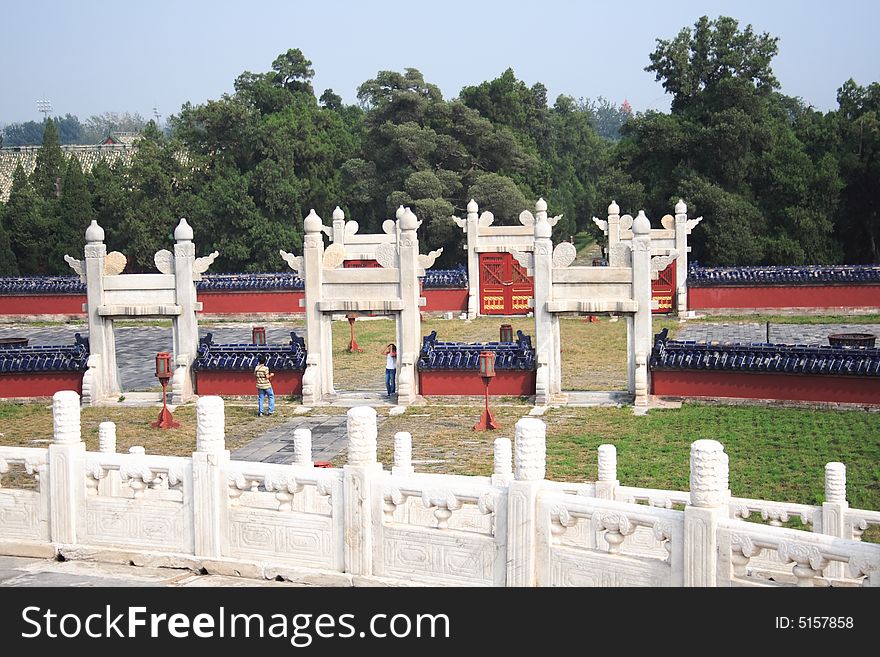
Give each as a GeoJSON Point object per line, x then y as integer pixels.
{"type": "Point", "coordinates": [390, 353]}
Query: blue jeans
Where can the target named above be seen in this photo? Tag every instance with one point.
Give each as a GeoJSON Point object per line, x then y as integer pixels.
{"type": "Point", "coordinates": [389, 381]}
{"type": "Point", "coordinates": [268, 392]}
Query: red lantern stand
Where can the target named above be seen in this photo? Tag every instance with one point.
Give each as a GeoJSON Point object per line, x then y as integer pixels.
{"type": "Point", "coordinates": [352, 345]}
{"type": "Point", "coordinates": [163, 373]}
{"type": "Point", "coordinates": [258, 335]}
{"type": "Point", "coordinates": [487, 371]}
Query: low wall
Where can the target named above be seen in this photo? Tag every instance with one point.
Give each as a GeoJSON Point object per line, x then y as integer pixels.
{"type": "Point", "coordinates": [365, 525]}
{"type": "Point", "coordinates": [519, 383]}
{"type": "Point", "coordinates": [43, 304]}
{"type": "Point", "coordinates": [449, 300]}
{"type": "Point", "coordinates": [774, 297]}
{"type": "Point", "coordinates": [766, 385]}
{"type": "Point", "coordinates": [224, 382]}
{"type": "Point", "coordinates": [214, 302]}
{"type": "Point", "coordinates": [38, 384]}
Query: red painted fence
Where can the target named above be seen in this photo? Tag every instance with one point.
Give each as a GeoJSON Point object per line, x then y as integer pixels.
{"type": "Point", "coordinates": [38, 384]}
{"type": "Point", "coordinates": [226, 382]}
{"type": "Point", "coordinates": [781, 296]}
{"type": "Point", "coordinates": [766, 385]}
{"type": "Point", "coordinates": [469, 382]}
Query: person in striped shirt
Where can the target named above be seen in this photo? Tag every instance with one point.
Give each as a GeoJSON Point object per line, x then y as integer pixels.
{"type": "Point", "coordinates": [264, 385]}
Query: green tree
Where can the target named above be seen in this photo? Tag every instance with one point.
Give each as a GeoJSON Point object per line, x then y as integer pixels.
{"type": "Point", "coordinates": [75, 214]}
{"type": "Point", "coordinates": [46, 178]}
{"type": "Point", "coordinates": [25, 227]}
{"type": "Point", "coordinates": [8, 263]}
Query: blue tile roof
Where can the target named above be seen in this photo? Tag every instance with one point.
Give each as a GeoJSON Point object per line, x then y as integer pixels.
{"type": "Point", "coordinates": [49, 358]}
{"type": "Point", "coordinates": [243, 356]}
{"type": "Point", "coordinates": [763, 357]}
{"type": "Point", "coordinates": [438, 355]}
{"type": "Point", "coordinates": [782, 275]}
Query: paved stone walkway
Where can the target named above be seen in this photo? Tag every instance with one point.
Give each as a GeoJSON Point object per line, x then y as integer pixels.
{"type": "Point", "coordinates": [779, 333]}
{"type": "Point", "coordinates": [276, 445]}
{"type": "Point", "coordinates": [25, 571]}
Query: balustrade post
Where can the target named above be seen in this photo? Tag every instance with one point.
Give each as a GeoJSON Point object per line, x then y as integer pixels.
{"type": "Point", "coordinates": [834, 511]}
{"type": "Point", "coordinates": [402, 454]}
{"type": "Point", "coordinates": [108, 485]}
{"type": "Point", "coordinates": [362, 506]}
{"type": "Point", "coordinates": [530, 456]}
{"type": "Point", "coordinates": [607, 483]}
{"type": "Point", "coordinates": [209, 478]}
{"type": "Point", "coordinates": [708, 504]}
{"type": "Point", "coordinates": [502, 472]}
{"type": "Point", "coordinates": [67, 482]}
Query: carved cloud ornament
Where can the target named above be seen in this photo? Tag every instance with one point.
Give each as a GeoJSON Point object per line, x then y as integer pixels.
{"type": "Point", "coordinates": [294, 262]}
{"type": "Point", "coordinates": [690, 224]}
{"type": "Point", "coordinates": [200, 265]}
{"type": "Point", "coordinates": [626, 222]}
{"type": "Point", "coordinates": [78, 266]}
{"type": "Point", "coordinates": [668, 221]}
{"type": "Point", "coordinates": [602, 224]}
{"type": "Point", "coordinates": [114, 263]}
{"type": "Point", "coordinates": [164, 261]}
{"type": "Point", "coordinates": [461, 223]}
{"type": "Point", "coordinates": [334, 255]}
{"type": "Point", "coordinates": [659, 263]}
{"type": "Point", "coordinates": [525, 259]}
{"type": "Point", "coordinates": [386, 255]}
{"type": "Point", "coordinates": [427, 261]}
{"type": "Point", "coordinates": [564, 254]}
{"type": "Point", "coordinates": [389, 227]}
{"type": "Point", "coordinates": [486, 219]}
{"type": "Point", "coordinates": [351, 227]}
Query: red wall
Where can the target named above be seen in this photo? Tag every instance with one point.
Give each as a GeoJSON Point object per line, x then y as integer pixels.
{"type": "Point", "coordinates": [42, 304]}
{"type": "Point", "coordinates": [441, 300]}
{"type": "Point", "coordinates": [38, 384]}
{"type": "Point", "coordinates": [780, 296]}
{"type": "Point", "coordinates": [226, 382]}
{"type": "Point", "coordinates": [766, 385]}
{"type": "Point", "coordinates": [469, 382]}
{"type": "Point", "coordinates": [258, 301]}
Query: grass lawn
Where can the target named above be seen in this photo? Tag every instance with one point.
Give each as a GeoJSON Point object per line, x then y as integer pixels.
{"type": "Point", "coordinates": [775, 453]}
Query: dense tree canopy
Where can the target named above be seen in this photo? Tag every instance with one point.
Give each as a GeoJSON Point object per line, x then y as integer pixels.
{"type": "Point", "coordinates": [777, 181]}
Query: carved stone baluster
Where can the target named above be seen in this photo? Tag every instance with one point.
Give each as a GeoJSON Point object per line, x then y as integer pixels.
{"type": "Point", "coordinates": [809, 562]}
{"type": "Point", "coordinates": [742, 550]}
{"type": "Point", "coordinates": [444, 503]}
{"type": "Point", "coordinates": [617, 527]}
{"type": "Point", "coordinates": [560, 521]}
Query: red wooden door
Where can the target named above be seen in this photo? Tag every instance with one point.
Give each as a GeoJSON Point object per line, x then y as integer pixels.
{"type": "Point", "coordinates": [663, 290]}
{"type": "Point", "coordinates": [505, 287]}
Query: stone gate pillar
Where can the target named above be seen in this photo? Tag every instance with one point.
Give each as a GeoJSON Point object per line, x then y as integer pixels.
{"type": "Point", "coordinates": [473, 259]}
{"type": "Point", "coordinates": [641, 345]}
{"type": "Point", "coordinates": [319, 361]}
{"type": "Point", "coordinates": [410, 325]}
{"type": "Point", "coordinates": [186, 325]}
{"type": "Point", "coordinates": [683, 228]}
{"type": "Point", "coordinates": [549, 378]}
{"type": "Point", "coordinates": [102, 346]}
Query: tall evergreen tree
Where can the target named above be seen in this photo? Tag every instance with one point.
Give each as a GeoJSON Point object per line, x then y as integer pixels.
{"type": "Point", "coordinates": [75, 214]}
{"type": "Point", "coordinates": [49, 168]}
{"type": "Point", "coordinates": [25, 226]}
{"type": "Point", "coordinates": [8, 263]}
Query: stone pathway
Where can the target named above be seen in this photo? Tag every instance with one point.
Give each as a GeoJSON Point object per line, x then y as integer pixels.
{"type": "Point", "coordinates": [779, 333]}
{"type": "Point", "coordinates": [26, 571]}
{"type": "Point", "coordinates": [276, 445]}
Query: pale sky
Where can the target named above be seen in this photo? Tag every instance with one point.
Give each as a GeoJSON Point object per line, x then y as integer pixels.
{"type": "Point", "coordinates": [96, 56]}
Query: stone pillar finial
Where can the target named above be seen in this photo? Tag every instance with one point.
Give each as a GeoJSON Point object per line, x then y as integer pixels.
{"type": "Point", "coordinates": [530, 449]}
{"type": "Point", "coordinates": [210, 424]}
{"type": "Point", "coordinates": [641, 224]}
{"type": "Point", "coordinates": [107, 437]}
{"type": "Point", "coordinates": [607, 463]}
{"type": "Point", "coordinates": [402, 453]}
{"type": "Point", "coordinates": [183, 232]}
{"type": "Point", "coordinates": [65, 417]}
{"type": "Point", "coordinates": [302, 446]}
{"type": "Point", "coordinates": [709, 473]}
{"type": "Point", "coordinates": [613, 209]}
{"type": "Point", "coordinates": [503, 465]}
{"type": "Point", "coordinates": [681, 207]}
{"type": "Point", "coordinates": [408, 220]}
{"type": "Point", "coordinates": [94, 233]}
{"type": "Point", "coordinates": [472, 207]}
{"type": "Point", "coordinates": [399, 212]}
{"type": "Point", "coordinates": [338, 214]}
{"type": "Point", "coordinates": [541, 206]}
{"type": "Point", "coordinates": [312, 223]}
{"type": "Point", "coordinates": [362, 433]}
{"type": "Point", "coordinates": [835, 482]}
